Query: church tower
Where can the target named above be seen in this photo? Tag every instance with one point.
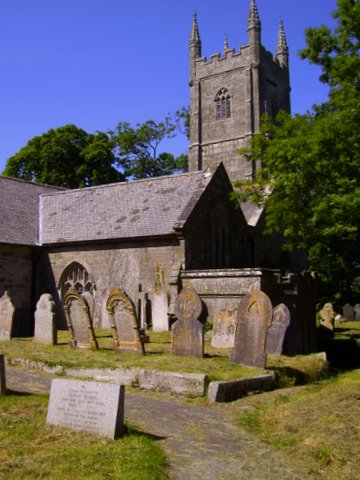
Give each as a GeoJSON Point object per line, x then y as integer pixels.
{"type": "Point", "coordinates": [230, 92]}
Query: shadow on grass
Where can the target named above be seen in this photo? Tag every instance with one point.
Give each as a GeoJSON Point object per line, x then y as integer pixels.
{"type": "Point", "coordinates": [15, 393]}
{"type": "Point", "coordinates": [131, 430]}
{"type": "Point", "coordinates": [343, 354]}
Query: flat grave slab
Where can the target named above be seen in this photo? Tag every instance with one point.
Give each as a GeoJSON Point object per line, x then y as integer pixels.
{"type": "Point", "coordinates": [91, 406]}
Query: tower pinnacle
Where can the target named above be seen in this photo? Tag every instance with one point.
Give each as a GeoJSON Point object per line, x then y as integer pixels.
{"type": "Point", "coordinates": [254, 19]}
{"type": "Point", "coordinates": [282, 49]}
{"type": "Point", "coordinates": [195, 40]}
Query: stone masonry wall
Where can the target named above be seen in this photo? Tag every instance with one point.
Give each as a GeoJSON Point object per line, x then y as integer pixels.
{"type": "Point", "coordinates": [16, 275]}
{"type": "Point", "coordinates": [124, 266]}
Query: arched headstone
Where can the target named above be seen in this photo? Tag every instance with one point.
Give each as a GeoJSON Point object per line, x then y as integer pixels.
{"type": "Point", "coordinates": [78, 321]}
{"type": "Point", "coordinates": [45, 320]}
{"type": "Point", "coordinates": [7, 311]}
{"type": "Point", "coordinates": [254, 317]}
{"type": "Point", "coordinates": [277, 330]}
{"type": "Point", "coordinates": [124, 325]}
{"type": "Point", "coordinates": [188, 331]}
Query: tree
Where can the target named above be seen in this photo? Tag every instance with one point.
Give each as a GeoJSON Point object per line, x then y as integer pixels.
{"type": "Point", "coordinates": [137, 148]}
{"type": "Point", "coordinates": [311, 163]}
{"type": "Point", "coordinates": [66, 157]}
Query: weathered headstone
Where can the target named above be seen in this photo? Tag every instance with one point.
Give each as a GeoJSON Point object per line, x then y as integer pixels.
{"type": "Point", "coordinates": [124, 325]}
{"type": "Point", "coordinates": [78, 321]}
{"type": "Point", "coordinates": [327, 314]}
{"type": "Point", "coordinates": [45, 320]}
{"type": "Point", "coordinates": [188, 331]}
{"type": "Point", "coordinates": [2, 375]}
{"type": "Point", "coordinates": [254, 317]}
{"type": "Point", "coordinates": [277, 330]}
{"type": "Point", "coordinates": [91, 303]}
{"type": "Point", "coordinates": [7, 311]}
{"type": "Point", "coordinates": [348, 312]}
{"type": "Point", "coordinates": [224, 325]}
{"type": "Point", "coordinates": [90, 406]}
{"type": "Point", "coordinates": [357, 311]}
{"type": "Point", "coordinates": [159, 314]}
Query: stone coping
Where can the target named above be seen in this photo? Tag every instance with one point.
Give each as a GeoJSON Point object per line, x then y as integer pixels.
{"type": "Point", "coordinates": [162, 381]}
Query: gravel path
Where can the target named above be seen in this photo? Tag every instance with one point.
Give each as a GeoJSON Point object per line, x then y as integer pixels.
{"type": "Point", "coordinates": [200, 442]}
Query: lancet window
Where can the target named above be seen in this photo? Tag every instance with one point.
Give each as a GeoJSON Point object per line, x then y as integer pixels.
{"type": "Point", "coordinates": [223, 104]}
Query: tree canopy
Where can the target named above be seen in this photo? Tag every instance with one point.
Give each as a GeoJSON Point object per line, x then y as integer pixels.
{"type": "Point", "coordinates": [311, 163]}
{"type": "Point", "coordinates": [66, 157]}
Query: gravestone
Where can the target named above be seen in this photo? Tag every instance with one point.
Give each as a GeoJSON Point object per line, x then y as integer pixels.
{"type": "Point", "coordinates": [188, 331]}
{"type": "Point", "coordinates": [223, 333]}
{"type": "Point", "coordinates": [357, 311]}
{"type": "Point", "coordinates": [277, 330]}
{"type": "Point", "coordinates": [7, 311]}
{"type": "Point", "coordinates": [2, 375]}
{"type": "Point", "coordinates": [78, 321]}
{"type": "Point", "coordinates": [348, 312]}
{"type": "Point", "coordinates": [90, 406]}
{"type": "Point", "coordinates": [91, 303]}
{"type": "Point", "coordinates": [159, 314]}
{"type": "Point", "coordinates": [328, 316]}
{"type": "Point", "coordinates": [45, 320]}
{"type": "Point", "coordinates": [124, 325]}
{"type": "Point", "coordinates": [254, 318]}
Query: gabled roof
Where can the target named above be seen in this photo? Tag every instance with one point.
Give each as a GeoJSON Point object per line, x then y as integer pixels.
{"type": "Point", "coordinates": [137, 209]}
{"type": "Point", "coordinates": [19, 207]}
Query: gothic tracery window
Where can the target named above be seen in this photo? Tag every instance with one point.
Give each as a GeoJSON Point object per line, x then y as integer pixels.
{"type": "Point", "coordinates": [223, 104]}
{"type": "Point", "coordinates": [76, 276]}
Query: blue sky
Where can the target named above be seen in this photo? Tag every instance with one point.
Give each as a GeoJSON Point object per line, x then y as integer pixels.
{"type": "Point", "coordinates": [95, 63]}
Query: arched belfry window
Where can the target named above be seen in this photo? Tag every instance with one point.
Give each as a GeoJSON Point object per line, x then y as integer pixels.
{"type": "Point", "coordinates": [76, 276]}
{"type": "Point", "coordinates": [223, 104]}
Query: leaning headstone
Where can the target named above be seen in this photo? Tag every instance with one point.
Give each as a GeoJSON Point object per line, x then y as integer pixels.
{"type": "Point", "coordinates": [188, 331]}
{"type": "Point", "coordinates": [124, 325]}
{"type": "Point", "coordinates": [78, 321]}
{"type": "Point", "coordinates": [223, 333]}
{"type": "Point", "coordinates": [2, 375]}
{"type": "Point", "coordinates": [91, 303]}
{"type": "Point", "coordinates": [348, 312]}
{"type": "Point", "coordinates": [7, 311]}
{"type": "Point", "coordinates": [45, 320]}
{"type": "Point", "coordinates": [277, 330]}
{"type": "Point", "coordinates": [357, 311]}
{"type": "Point", "coordinates": [327, 314]}
{"type": "Point", "coordinates": [254, 317]}
{"type": "Point", "coordinates": [90, 406]}
{"type": "Point", "coordinates": [159, 314]}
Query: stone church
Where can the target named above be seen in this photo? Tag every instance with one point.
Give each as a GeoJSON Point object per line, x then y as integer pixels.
{"type": "Point", "coordinates": [154, 236]}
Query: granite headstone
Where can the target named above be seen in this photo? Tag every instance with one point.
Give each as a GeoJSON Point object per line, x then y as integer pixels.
{"type": "Point", "coordinates": [277, 330]}
{"type": "Point", "coordinates": [78, 320]}
{"type": "Point", "coordinates": [223, 333]}
{"type": "Point", "coordinates": [159, 314]}
{"type": "Point", "coordinates": [45, 320]}
{"type": "Point", "coordinates": [357, 311]}
{"type": "Point", "coordinates": [348, 312]}
{"type": "Point", "coordinates": [90, 406]}
{"type": "Point", "coordinates": [124, 324]}
{"type": "Point", "coordinates": [254, 318]}
{"type": "Point", "coordinates": [188, 331]}
{"type": "Point", "coordinates": [7, 311]}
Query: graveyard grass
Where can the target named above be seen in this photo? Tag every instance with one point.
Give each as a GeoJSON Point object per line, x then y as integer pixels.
{"type": "Point", "coordinates": [30, 449]}
{"type": "Point", "coordinates": [317, 424]}
{"type": "Point", "coordinates": [216, 364]}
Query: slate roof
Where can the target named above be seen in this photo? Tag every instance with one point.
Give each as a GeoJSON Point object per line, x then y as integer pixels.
{"type": "Point", "coordinates": [19, 206]}
{"type": "Point", "coordinates": [142, 208]}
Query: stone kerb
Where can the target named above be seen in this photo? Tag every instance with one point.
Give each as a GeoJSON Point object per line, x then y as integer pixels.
{"type": "Point", "coordinates": [2, 375]}
{"type": "Point", "coordinates": [254, 318]}
{"type": "Point", "coordinates": [188, 331]}
{"type": "Point", "coordinates": [124, 325]}
{"type": "Point", "coordinates": [232, 390]}
{"type": "Point", "coordinates": [45, 320]}
{"type": "Point", "coordinates": [90, 406]}
{"type": "Point", "coordinates": [179, 383]}
{"type": "Point", "coordinates": [7, 311]}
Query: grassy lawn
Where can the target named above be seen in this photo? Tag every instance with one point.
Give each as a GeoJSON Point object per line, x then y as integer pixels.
{"type": "Point", "coordinates": [215, 364]}
{"type": "Point", "coordinates": [317, 425]}
{"type": "Point", "coordinates": [32, 450]}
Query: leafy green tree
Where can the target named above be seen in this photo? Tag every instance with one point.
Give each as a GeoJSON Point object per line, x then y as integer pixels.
{"type": "Point", "coordinates": [66, 157]}
{"type": "Point", "coordinates": [137, 148]}
{"type": "Point", "coordinates": [310, 164]}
